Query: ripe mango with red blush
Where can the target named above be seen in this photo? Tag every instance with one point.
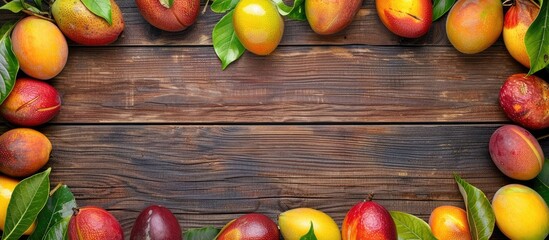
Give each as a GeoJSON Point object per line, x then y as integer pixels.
{"type": "Point", "coordinates": [23, 151]}
{"type": "Point", "coordinates": [177, 17]}
{"type": "Point", "coordinates": [517, 20]}
{"type": "Point", "coordinates": [405, 18]}
{"type": "Point", "coordinates": [250, 227]}
{"type": "Point", "coordinates": [329, 17]}
{"type": "Point", "coordinates": [31, 103]}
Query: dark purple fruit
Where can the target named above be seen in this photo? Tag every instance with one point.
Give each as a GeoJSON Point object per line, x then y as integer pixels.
{"type": "Point", "coordinates": [156, 223]}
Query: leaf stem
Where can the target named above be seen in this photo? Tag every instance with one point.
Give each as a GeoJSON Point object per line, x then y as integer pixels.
{"type": "Point", "coordinates": [205, 7]}
{"type": "Point", "coordinates": [55, 189]}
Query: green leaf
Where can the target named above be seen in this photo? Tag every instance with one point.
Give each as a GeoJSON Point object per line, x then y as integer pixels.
{"type": "Point", "coordinates": [226, 44]}
{"type": "Point", "coordinates": [309, 235]}
{"type": "Point", "coordinates": [537, 40]}
{"type": "Point", "coordinates": [9, 66]}
{"type": "Point", "coordinates": [295, 12]}
{"type": "Point", "coordinates": [38, 3]}
{"type": "Point", "coordinates": [205, 233]}
{"type": "Point", "coordinates": [222, 6]}
{"type": "Point", "coordinates": [27, 200]}
{"type": "Point", "coordinates": [101, 8]}
{"type": "Point", "coordinates": [59, 206]}
{"type": "Point", "coordinates": [541, 182]}
{"type": "Point", "coordinates": [441, 7]}
{"type": "Point", "coordinates": [166, 3]}
{"type": "Point", "coordinates": [411, 227]}
{"type": "Point", "coordinates": [14, 6]}
{"type": "Point", "coordinates": [59, 230]}
{"type": "Point", "coordinates": [480, 215]}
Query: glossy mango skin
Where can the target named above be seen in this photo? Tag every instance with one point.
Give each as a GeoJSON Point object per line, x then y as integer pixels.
{"type": "Point", "coordinates": [331, 16]}
{"type": "Point", "coordinates": [181, 15]}
{"type": "Point", "coordinates": [258, 26]}
{"type": "Point", "coordinates": [251, 226]}
{"type": "Point", "coordinates": [473, 26]}
{"type": "Point", "coordinates": [368, 220]}
{"type": "Point", "coordinates": [449, 222]}
{"type": "Point", "coordinates": [406, 18]}
{"type": "Point", "coordinates": [517, 20]}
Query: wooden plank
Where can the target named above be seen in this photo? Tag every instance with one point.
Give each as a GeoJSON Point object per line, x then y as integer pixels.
{"type": "Point", "coordinates": [295, 84]}
{"type": "Point", "coordinates": [210, 174]}
{"type": "Point", "coordinates": [365, 29]}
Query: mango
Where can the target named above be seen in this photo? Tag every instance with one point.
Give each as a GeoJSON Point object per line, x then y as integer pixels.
{"type": "Point", "coordinates": [368, 220]}
{"type": "Point", "coordinates": [406, 18]}
{"type": "Point", "coordinates": [449, 223]}
{"type": "Point", "coordinates": [82, 26]}
{"type": "Point", "coordinates": [31, 103]}
{"type": "Point", "coordinates": [517, 20]}
{"type": "Point", "coordinates": [521, 213]}
{"type": "Point", "coordinates": [40, 47]}
{"type": "Point", "coordinates": [94, 223]}
{"type": "Point", "coordinates": [474, 25]}
{"type": "Point", "coordinates": [7, 185]}
{"type": "Point", "coordinates": [258, 25]}
{"type": "Point", "coordinates": [178, 17]}
{"type": "Point", "coordinates": [525, 100]}
{"type": "Point", "coordinates": [250, 227]}
{"type": "Point", "coordinates": [155, 222]}
{"type": "Point", "coordinates": [296, 222]}
{"type": "Point", "coordinates": [329, 17]}
{"type": "Point", "coordinates": [23, 151]}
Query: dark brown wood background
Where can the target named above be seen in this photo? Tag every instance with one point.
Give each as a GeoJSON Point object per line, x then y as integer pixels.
{"type": "Point", "coordinates": [320, 123]}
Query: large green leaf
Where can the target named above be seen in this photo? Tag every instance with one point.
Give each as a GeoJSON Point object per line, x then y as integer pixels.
{"type": "Point", "coordinates": [295, 12]}
{"type": "Point", "coordinates": [9, 66]}
{"type": "Point", "coordinates": [411, 227]}
{"type": "Point", "coordinates": [27, 200]}
{"type": "Point", "coordinates": [541, 182]}
{"type": "Point", "coordinates": [441, 7]}
{"type": "Point", "coordinates": [101, 8]}
{"type": "Point", "coordinates": [205, 233]}
{"type": "Point", "coordinates": [59, 230]}
{"type": "Point", "coordinates": [222, 6]}
{"type": "Point", "coordinates": [537, 40]}
{"type": "Point", "coordinates": [14, 6]}
{"type": "Point", "coordinates": [480, 215]}
{"type": "Point", "coordinates": [59, 207]}
{"type": "Point", "coordinates": [226, 44]}
{"type": "Point", "coordinates": [310, 235]}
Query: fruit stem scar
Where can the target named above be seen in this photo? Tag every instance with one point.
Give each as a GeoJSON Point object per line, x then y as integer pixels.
{"type": "Point", "coordinates": [26, 104]}
{"type": "Point", "coordinates": [48, 108]}
{"type": "Point", "coordinates": [407, 13]}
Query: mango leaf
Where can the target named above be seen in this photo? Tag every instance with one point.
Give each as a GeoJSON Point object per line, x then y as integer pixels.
{"type": "Point", "coordinates": [60, 205]}
{"type": "Point", "coordinates": [205, 233]}
{"type": "Point", "coordinates": [296, 12]}
{"type": "Point", "coordinates": [411, 227]}
{"type": "Point", "coordinates": [226, 44]}
{"type": "Point", "coordinates": [166, 3]}
{"type": "Point", "coordinates": [101, 8]}
{"type": "Point", "coordinates": [480, 215]}
{"type": "Point", "coordinates": [537, 40]}
{"type": "Point", "coordinates": [14, 6]}
{"type": "Point", "coordinates": [541, 182]}
{"type": "Point", "coordinates": [441, 7]}
{"type": "Point", "coordinates": [222, 6]}
{"type": "Point", "coordinates": [59, 230]}
{"type": "Point", "coordinates": [27, 200]}
{"type": "Point", "coordinates": [309, 235]}
{"type": "Point", "coordinates": [9, 66]}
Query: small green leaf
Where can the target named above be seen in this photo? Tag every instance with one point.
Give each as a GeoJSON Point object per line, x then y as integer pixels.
{"type": "Point", "coordinates": [295, 12]}
{"type": "Point", "coordinates": [14, 6]}
{"type": "Point", "coordinates": [309, 235]}
{"type": "Point", "coordinates": [541, 182]}
{"type": "Point", "coordinates": [537, 40]}
{"type": "Point", "coordinates": [411, 227]}
{"type": "Point", "coordinates": [222, 6]}
{"type": "Point", "coordinates": [205, 233]}
{"type": "Point", "coordinates": [226, 44]}
{"type": "Point", "coordinates": [480, 215]}
{"type": "Point", "coordinates": [27, 200]}
{"type": "Point", "coordinates": [441, 7]}
{"type": "Point", "coordinates": [9, 66]}
{"type": "Point", "coordinates": [166, 3]}
{"type": "Point", "coordinates": [59, 206]}
{"type": "Point", "coordinates": [38, 3]}
{"type": "Point", "coordinates": [101, 8]}
{"type": "Point", "coordinates": [59, 230]}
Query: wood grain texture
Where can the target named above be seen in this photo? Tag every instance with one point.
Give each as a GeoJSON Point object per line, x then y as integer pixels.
{"type": "Point", "coordinates": [210, 174]}
{"type": "Point", "coordinates": [295, 84]}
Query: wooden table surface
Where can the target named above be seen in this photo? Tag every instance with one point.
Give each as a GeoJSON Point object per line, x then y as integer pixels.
{"type": "Point", "coordinates": [320, 123]}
